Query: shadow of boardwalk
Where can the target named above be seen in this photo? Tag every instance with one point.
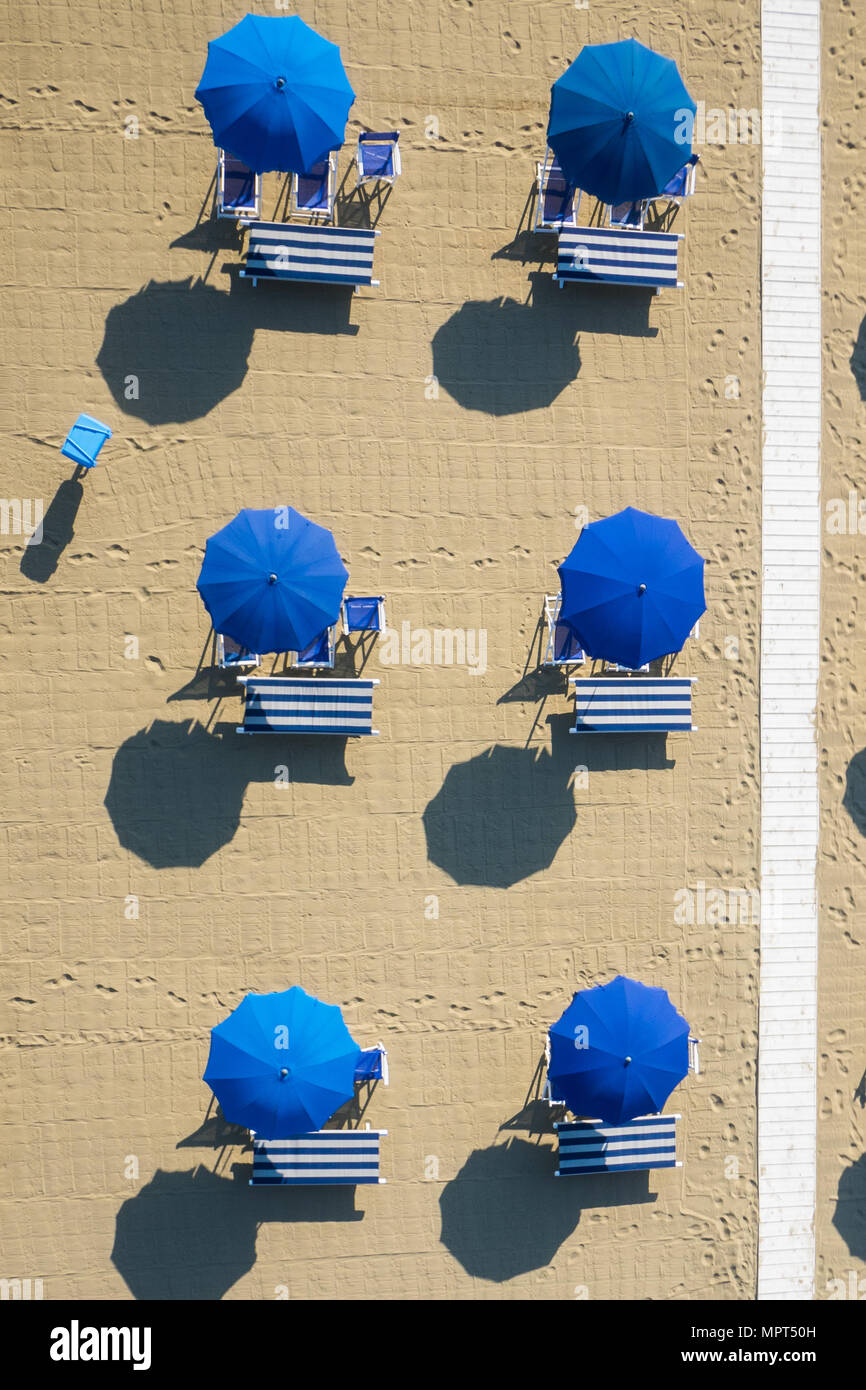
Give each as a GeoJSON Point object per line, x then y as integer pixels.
{"type": "Point", "coordinates": [41, 559]}
{"type": "Point", "coordinates": [192, 1234]}
{"type": "Point", "coordinates": [176, 791]}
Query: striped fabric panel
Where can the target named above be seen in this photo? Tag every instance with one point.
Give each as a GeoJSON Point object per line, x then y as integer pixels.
{"type": "Point", "coordinates": [335, 254]}
{"type": "Point", "coordinates": [326, 1158]}
{"type": "Point", "coordinates": [624, 705]}
{"type": "Point", "coordinates": [618, 256]}
{"type": "Point", "coordinates": [285, 705]}
{"type": "Point", "coordinates": [589, 1146]}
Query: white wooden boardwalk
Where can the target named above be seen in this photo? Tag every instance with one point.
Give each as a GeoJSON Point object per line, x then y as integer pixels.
{"type": "Point", "coordinates": [791, 317]}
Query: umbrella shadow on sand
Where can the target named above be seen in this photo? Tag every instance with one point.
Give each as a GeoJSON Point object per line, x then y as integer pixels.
{"type": "Point", "coordinates": [502, 815]}
{"type": "Point", "coordinates": [854, 799]}
{"type": "Point", "coordinates": [849, 1218]}
{"type": "Point", "coordinates": [41, 558]}
{"type": "Point", "coordinates": [505, 1214]}
{"type": "Point", "coordinates": [176, 792]}
{"type": "Point", "coordinates": [175, 349]}
{"type": "Point", "coordinates": [858, 361]}
{"type": "Point", "coordinates": [192, 1234]}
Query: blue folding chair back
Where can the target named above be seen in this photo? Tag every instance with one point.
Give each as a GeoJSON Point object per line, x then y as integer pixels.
{"type": "Point", "coordinates": [364, 614]}
{"type": "Point", "coordinates": [232, 656]}
{"type": "Point", "coordinates": [555, 201]}
{"type": "Point", "coordinates": [320, 652]}
{"type": "Point", "coordinates": [372, 1065]}
{"type": "Point", "coordinates": [378, 156]}
{"type": "Point", "coordinates": [313, 193]}
{"type": "Point", "coordinates": [590, 1146]}
{"type": "Point", "coordinates": [239, 189]}
{"type": "Point", "coordinates": [84, 441]}
{"type": "Point", "coordinates": [562, 647]}
{"type": "Point", "coordinates": [682, 185]}
{"type": "Point", "coordinates": [324, 1158]}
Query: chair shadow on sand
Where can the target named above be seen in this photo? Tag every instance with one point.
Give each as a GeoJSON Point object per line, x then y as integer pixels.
{"type": "Point", "coordinates": [41, 558]}
{"type": "Point", "coordinates": [506, 1213]}
{"type": "Point", "coordinates": [192, 1234]}
{"type": "Point", "coordinates": [176, 791]}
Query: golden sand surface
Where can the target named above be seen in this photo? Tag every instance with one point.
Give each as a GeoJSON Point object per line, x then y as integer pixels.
{"type": "Point", "coordinates": [841, 1211]}
{"type": "Point", "coordinates": [452, 882]}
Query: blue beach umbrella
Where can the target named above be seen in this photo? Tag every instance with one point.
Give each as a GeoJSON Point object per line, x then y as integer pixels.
{"type": "Point", "coordinates": [282, 1064]}
{"type": "Point", "coordinates": [272, 580]}
{"type": "Point", "coordinates": [620, 121]}
{"type": "Point", "coordinates": [632, 588]}
{"type": "Point", "coordinates": [618, 1051]}
{"type": "Point", "coordinates": [276, 93]}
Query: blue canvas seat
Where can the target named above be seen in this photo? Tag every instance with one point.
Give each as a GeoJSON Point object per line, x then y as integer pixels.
{"type": "Point", "coordinates": [555, 204]}
{"type": "Point", "coordinates": [319, 255]}
{"type": "Point", "coordinates": [590, 1146]}
{"type": "Point", "coordinates": [320, 652]}
{"type": "Point", "coordinates": [562, 647]}
{"type": "Point", "coordinates": [378, 156]}
{"type": "Point", "coordinates": [84, 441]}
{"type": "Point", "coordinates": [639, 704]}
{"type": "Point", "coordinates": [313, 193]}
{"type": "Point", "coordinates": [296, 705]}
{"type": "Point", "coordinates": [231, 656]}
{"type": "Point", "coordinates": [239, 190]}
{"type": "Point", "coordinates": [618, 256]}
{"type": "Point", "coordinates": [682, 185]}
{"type": "Point", "coordinates": [325, 1158]}
{"type": "Point", "coordinates": [627, 215]}
{"type": "Point", "coordinates": [363, 614]}
{"type": "Point", "coordinates": [372, 1065]}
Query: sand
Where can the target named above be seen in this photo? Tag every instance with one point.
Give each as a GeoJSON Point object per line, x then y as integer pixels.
{"type": "Point", "coordinates": [447, 426]}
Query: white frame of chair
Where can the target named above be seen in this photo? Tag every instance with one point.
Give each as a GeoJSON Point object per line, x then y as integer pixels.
{"type": "Point", "coordinates": [552, 606]}
{"type": "Point", "coordinates": [316, 214]}
{"type": "Point", "coordinates": [347, 631]}
{"type": "Point", "coordinates": [252, 659]}
{"type": "Point", "coordinates": [235, 214]}
{"type": "Point", "coordinates": [298, 665]}
{"type": "Point", "coordinates": [642, 203]}
{"type": "Point", "coordinates": [396, 162]}
{"type": "Point", "coordinates": [542, 169]}
{"type": "Point", "coordinates": [691, 181]}
{"type": "Point", "coordinates": [694, 1055]}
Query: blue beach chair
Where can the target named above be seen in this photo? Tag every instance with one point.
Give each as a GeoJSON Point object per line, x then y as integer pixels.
{"type": "Point", "coordinates": [363, 614]}
{"type": "Point", "coordinates": [562, 647]}
{"type": "Point", "coordinates": [555, 204]}
{"type": "Point", "coordinates": [230, 656]}
{"type": "Point", "coordinates": [372, 1065]}
{"type": "Point", "coordinates": [319, 654]}
{"type": "Point", "coordinates": [627, 215]}
{"type": "Point", "coordinates": [313, 193]}
{"type": "Point", "coordinates": [84, 441]}
{"type": "Point", "coordinates": [682, 185]}
{"type": "Point", "coordinates": [378, 156]}
{"type": "Point", "coordinates": [239, 190]}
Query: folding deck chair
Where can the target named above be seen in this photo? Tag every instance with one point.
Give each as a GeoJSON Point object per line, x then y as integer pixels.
{"type": "Point", "coordinates": [562, 647]}
{"type": "Point", "coordinates": [363, 615]}
{"type": "Point", "coordinates": [319, 655]}
{"type": "Point", "coordinates": [239, 190]}
{"type": "Point", "coordinates": [233, 657]}
{"type": "Point", "coordinates": [313, 193]}
{"type": "Point", "coordinates": [555, 204]}
{"type": "Point", "coordinates": [378, 156]}
{"type": "Point", "coordinates": [84, 441]}
{"type": "Point", "coordinates": [682, 185]}
{"type": "Point", "coordinates": [627, 215]}
{"type": "Point", "coordinates": [372, 1065]}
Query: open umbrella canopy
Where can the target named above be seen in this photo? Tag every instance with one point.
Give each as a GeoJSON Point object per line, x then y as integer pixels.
{"type": "Point", "coordinates": [632, 588]}
{"type": "Point", "coordinates": [618, 1051]}
{"type": "Point", "coordinates": [281, 1064]}
{"type": "Point", "coordinates": [620, 121]}
{"type": "Point", "coordinates": [272, 580]}
{"type": "Point", "coordinates": [276, 93]}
